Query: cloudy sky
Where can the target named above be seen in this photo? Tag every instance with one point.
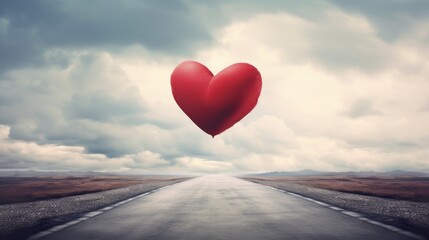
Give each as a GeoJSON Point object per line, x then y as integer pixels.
{"type": "Point", "coordinates": [85, 85]}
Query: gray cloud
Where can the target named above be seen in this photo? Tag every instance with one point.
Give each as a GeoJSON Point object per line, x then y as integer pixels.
{"type": "Point", "coordinates": [393, 18]}
{"type": "Point", "coordinates": [35, 33]}
{"type": "Point", "coordinates": [340, 46]}
{"type": "Point", "coordinates": [93, 105]}
{"type": "Point", "coordinates": [361, 108]}
{"type": "Point", "coordinates": [102, 93]}
{"type": "Point", "coordinates": [30, 28]}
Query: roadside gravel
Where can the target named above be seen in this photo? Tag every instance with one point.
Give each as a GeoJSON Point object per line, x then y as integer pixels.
{"type": "Point", "coordinates": [407, 215]}
{"type": "Point", "coordinates": [19, 221]}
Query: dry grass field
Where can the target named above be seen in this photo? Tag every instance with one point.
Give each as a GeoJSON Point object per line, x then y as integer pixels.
{"type": "Point", "coordinates": [403, 188]}
{"type": "Point", "coordinates": [26, 189]}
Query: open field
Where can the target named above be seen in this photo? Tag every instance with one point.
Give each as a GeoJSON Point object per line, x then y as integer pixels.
{"type": "Point", "coordinates": [401, 188]}
{"type": "Point", "coordinates": [27, 189]}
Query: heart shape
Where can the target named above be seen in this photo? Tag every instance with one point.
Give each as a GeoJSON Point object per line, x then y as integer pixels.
{"type": "Point", "coordinates": [215, 103]}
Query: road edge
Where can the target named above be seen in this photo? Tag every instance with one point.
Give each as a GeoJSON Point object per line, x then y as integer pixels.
{"type": "Point", "coordinates": [348, 213]}
{"type": "Point", "coordinates": [94, 213]}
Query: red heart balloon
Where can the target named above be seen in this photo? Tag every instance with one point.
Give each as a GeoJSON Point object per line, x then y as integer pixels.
{"type": "Point", "coordinates": [215, 103]}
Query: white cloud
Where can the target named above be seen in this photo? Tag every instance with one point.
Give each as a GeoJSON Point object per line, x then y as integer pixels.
{"type": "Point", "coordinates": [146, 160]}
{"type": "Point", "coordinates": [200, 165]}
{"type": "Point", "coordinates": [4, 132]}
{"type": "Point", "coordinates": [30, 155]}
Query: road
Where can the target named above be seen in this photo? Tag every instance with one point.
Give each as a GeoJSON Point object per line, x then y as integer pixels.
{"type": "Point", "coordinates": [221, 207]}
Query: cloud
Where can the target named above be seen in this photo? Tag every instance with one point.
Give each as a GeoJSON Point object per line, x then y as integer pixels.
{"type": "Point", "coordinates": [267, 134]}
{"type": "Point", "coordinates": [29, 155]}
{"type": "Point", "coordinates": [15, 154]}
{"type": "Point", "coordinates": [198, 165]}
{"type": "Point", "coordinates": [32, 31]}
{"type": "Point", "coordinates": [334, 40]}
{"type": "Point", "coordinates": [91, 104]}
{"type": "Point", "coordinates": [336, 95]}
{"type": "Point", "coordinates": [361, 108]}
{"type": "Point", "coordinates": [393, 19]}
{"type": "Point", "coordinates": [102, 92]}
{"type": "Point", "coordinates": [146, 160]}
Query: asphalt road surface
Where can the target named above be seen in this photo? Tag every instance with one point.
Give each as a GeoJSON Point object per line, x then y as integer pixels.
{"type": "Point", "coordinates": [222, 207]}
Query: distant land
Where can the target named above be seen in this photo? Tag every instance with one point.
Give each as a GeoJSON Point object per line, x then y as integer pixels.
{"type": "Point", "coordinates": [36, 173]}
{"type": "Point", "coordinates": [401, 185]}
{"type": "Point", "coordinates": [300, 173]}
{"type": "Point", "coordinates": [309, 172]}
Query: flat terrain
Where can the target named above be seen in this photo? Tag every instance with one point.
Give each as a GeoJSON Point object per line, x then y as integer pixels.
{"type": "Point", "coordinates": [401, 188]}
{"type": "Point", "coordinates": [221, 207]}
{"type": "Point", "coordinates": [362, 195]}
{"type": "Point", "coordinates": [20, 220]}
{"type": "Point", "coordinates": [27, 189]}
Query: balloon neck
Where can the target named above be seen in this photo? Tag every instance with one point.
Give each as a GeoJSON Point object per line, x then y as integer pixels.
{"type": "Point", "coordinates": [213, 136]}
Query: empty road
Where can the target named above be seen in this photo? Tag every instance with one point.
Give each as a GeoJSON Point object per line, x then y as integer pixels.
{"type": "Point", "coordinates": [221, 207]}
